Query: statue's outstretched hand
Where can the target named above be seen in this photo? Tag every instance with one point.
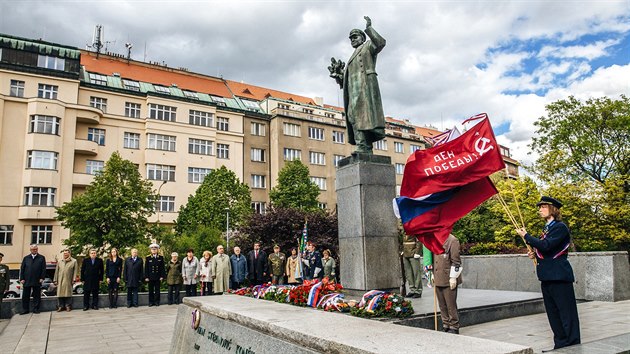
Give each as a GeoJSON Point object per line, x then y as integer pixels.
{"type": "Point", "coordinates": [368, 22]}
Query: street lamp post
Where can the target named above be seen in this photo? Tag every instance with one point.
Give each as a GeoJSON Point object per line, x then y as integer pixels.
{"type": "Point", "coordinates": [227, 230]}
{"type": "Point", "coordinates": [159, 201]}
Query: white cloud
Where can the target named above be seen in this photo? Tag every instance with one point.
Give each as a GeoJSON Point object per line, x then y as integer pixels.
{"type": "Point", "coordinates": [590, 52]}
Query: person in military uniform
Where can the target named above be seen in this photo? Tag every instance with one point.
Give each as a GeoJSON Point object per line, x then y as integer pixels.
{"type": "Point", "coordinates": [447, 270]}
{"type": "Point", "coordinates": [312, 263]}
{"type": "Point", "coordinates": [154, 273]}
{"type": "Point", "coordinates": [4, 279]}
{"type": "Point", "coordinates": [411, 261]}
{"type": "Point", "coordinates": [276, 266]}
{"type": "Point", "coordinates": [554, 271]}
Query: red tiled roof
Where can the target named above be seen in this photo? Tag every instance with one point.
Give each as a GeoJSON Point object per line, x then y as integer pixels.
{"type": "Point", "coordinates": [107, 65]}
{"type": "Point", "coordinates": [260, 93]}
{"type": "Point", "coordinates": [427, 131]}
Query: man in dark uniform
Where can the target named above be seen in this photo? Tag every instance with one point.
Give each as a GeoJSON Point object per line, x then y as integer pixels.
{"type": "Point", "coordinates": [154, 273]}
{"type": "Point", "coordinates": [554, 271]}
{"type": "Point", "coordinates": [133, 277]}
{"type": "Point", "coordinates": [92, 272]}
{"type": "Point", "coordinates": [447, 270]}
{"type": "Point", "coordinates": [4, 279]}
{"type": "Point", "coordinates": [32, 274]}
{"type": "Point", "coordinates": [257, 265]}
{"type": "Point", "coordinates": [312, 263]}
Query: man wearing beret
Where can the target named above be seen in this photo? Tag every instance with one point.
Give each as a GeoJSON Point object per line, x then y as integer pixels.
{"type": "Point", "coordinates": [154, 273]}
{"type": "Point", "coordinates": [555, 273]}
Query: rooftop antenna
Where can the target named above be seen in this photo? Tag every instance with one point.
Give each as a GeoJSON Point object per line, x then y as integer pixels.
{"type": "Point", "coordinates": [97, 39]}
{"type": "Point", "coordinates": [128, 46]}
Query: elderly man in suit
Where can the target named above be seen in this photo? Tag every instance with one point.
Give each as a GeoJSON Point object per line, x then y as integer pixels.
{"type": "Point", "coordinates": [132, 275]}
{"type": "Point", "coordinates": [92, 273]}
{"type": "Point", "coordinates": [32, 274]}
{"type": "Point", "coordinates": [257, 265]}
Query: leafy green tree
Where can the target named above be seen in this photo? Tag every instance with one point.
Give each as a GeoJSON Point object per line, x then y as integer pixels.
{"type": "Point", "coordinates": [220, 191]}
{"type": "Point", "coordinates": [113, 210]}
{"type": "Point", "coordinates": [204, 238]}
{"type": "Point", "coordinates": [295, 188]}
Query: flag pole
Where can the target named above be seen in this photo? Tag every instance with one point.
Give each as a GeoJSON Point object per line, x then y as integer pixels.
{"type": "Point", "coordinates": [514, 223]}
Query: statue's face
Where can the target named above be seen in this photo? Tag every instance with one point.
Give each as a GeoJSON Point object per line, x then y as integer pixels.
{"type": "Point", "coordinates": [356, 40]}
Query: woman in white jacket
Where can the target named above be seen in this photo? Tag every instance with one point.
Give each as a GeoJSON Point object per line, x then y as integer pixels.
{"type": "Point", "coordinates": [190, 272]}
{"type": "Point", "coordinates": [205, 273]}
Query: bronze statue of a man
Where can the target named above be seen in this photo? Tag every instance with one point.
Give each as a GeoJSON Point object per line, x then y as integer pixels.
{"type": "Point", "coordinates": [361, 95]}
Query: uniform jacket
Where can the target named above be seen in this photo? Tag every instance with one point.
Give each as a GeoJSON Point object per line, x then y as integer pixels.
{"type": "Point", "coordinates": [411, 246]}
{"type": "Point", "coordinates": [553, 243]}
{"type": "Point", "coordinates": [65, 274]}
{"type": "Point", "coordinates": [257, 266]}
{"type": "Point", "coordinates": [133, 272]}
{"type": "Point", "coordinates": [276, 264]}
{"type": "Point", "coordinates": [239, 268]}
{"type": "Point", "coordinates": [205, 270]}
{"type": "Point", "coordinates": [113, 269]}
{"type": "Point", "coordinates": [32, 270]}
{"type": "Point", "coordinates": [442, 262]}
{"type": "Point", "coordinates": [189, 270]}
{"type": "Point", "coordinates": [92, 274]}
{"type": "Point", "coordinates": [174, 273]}
{"type": "Point", "coordinates": [329, 266]}
{"type": "Point", "coordinates": [154, 267]}
{"type": "Point", "coordinates": [5, 282]}
{"type": "Point", "coordinates": [365, 112]}
{"type": "Point", "coordinates": [314, 261]}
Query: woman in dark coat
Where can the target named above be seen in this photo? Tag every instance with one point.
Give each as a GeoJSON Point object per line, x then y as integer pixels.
{"type": "Point", "coordinates": [113, 272]}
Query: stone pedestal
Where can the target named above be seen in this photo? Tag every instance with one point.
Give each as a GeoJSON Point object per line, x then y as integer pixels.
{"type": "Point", "coordinates": [368, 236]}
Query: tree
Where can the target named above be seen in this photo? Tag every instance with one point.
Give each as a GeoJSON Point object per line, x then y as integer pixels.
{"type": "Point", "coordinates": [295, 188]}
{"type": "Point", "coordinates": [221, 191]}
{"type": "Point", "coordinates": [113, 210]}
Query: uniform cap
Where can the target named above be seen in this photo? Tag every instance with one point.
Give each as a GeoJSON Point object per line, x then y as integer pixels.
{"type": "Point", "coordinates": [550, 201]}
{"type": "Point", "coordinates": [154, 245]}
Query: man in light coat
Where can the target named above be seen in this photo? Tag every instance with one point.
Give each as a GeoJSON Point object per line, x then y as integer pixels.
{"type": "Point", "coordinates": [221, 271]}
{"type": "Point", "coordinates": [66, 273]}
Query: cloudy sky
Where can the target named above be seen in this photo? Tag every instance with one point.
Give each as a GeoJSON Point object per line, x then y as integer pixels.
{"type": "Point", "coordinates": [444, 60]}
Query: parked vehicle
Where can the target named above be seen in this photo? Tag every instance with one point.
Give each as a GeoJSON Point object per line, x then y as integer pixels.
{"type": "Point", "coordinates": [15, 290]}
{"type": "Point", "coordinates": [77, 288]}
{"type": "Point", "coordinates": [48, 288]}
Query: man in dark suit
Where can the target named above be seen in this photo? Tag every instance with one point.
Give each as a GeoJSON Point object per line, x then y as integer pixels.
{"type": "Point", "coordinates": [91, 275]}
{"type": "Point", "coordinates": [133, 277]}
{"type": "Point", "coordinates": [32, 274]}
{"type": "Point", "coordinates": [154, 273]}
{"type": "Point", "coordinates": [257, 265]}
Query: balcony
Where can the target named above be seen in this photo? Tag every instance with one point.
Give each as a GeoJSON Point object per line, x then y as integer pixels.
{"type": "Point", "coordinates": [308, 116]}
{"type": "Point", "coordinates": [36, 213]}
{"type": "Point", "coordinates": [82, 179]}
{"type": "Point", "coordinates": [85, 147]}
{"type": "Point", "coordinates": [89, 115]}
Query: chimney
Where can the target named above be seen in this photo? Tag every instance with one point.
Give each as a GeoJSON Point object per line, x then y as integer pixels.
{"type": "Point", "coordinates": [319, 101]}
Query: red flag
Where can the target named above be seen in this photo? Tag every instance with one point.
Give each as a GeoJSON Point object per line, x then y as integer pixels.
{"type": "Point", "coordinates": [468, 158]}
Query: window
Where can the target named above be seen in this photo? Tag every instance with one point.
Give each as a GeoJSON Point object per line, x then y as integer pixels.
{"type": "Point", "coordinates": [415, 148]}
{"type": "Point", "coordinates": [258, 129]}
{"type": "Point", "coordinates": [98, 79]}
{"type": "Point", "coordinates": [165, 204]}
{"type": "Point", "coordinates": [380, 145]}
{"type": "Point", "coordinates": [6, 234]}
{"type": "Point", "coordinates": [316, 133]}
{"type": "Point", "coordinates": [161, 112]}
{"type": "Point", "coordinates": [251, 105]}
{"type": "Point", "coordinates": [220, 101]}
{"type": "Point", "coordinates": [96, 135]}
{"type": "Point", "coordinates": [132, 110]}
{"type": "Point", "coordinates": [41, 234]}
{"type": "Point", "coordinates": [162, 89]}
{"type": "Point", "coordinates": [307, 110]}
{"type": "Point", "coordinates": [223, 151]}
{"type": "Point", "coordinates": [291, 129]}
{"type": "Point", "coordinates": [317, 158]}
{"type": "Point", "coordinates": [17, 88]}
{"type": "Point", "coordinates": [337, 158]}
{"type": "Point", "coordinates": [42, 159]}
{"type": "Point", "coordinates": [258, 181]}
{"type": "Point", "coordinates": [400, 168]}
{"type": "Point", "coordinates": [223, 123]}
{"type": "Point", "coordinates": [44, 125]}
{"type": "Point", "coordinates": [47, 91]}
{"type": "Point", "coordinates": [42, 196]}
{"type": "Point", "coordinates": [44, 61]}
{"type": "Point", "coordinates": [320, 182]}
{"type": "Point", "coordinates": [131, 141]}
{"type": "Point", "coordinates": [161, 142]}
{"type": "Point", "coordinates": [399, 147]}
{"type": "Point", "coordinates": [258, 155]}
{"type": "Point", "coordinates": [338, 137]}
{"type": "Point", "coordinates": [292, 154]}
{"type": "Point", "coordinates": [160, 172]}
{"type": "Point", "coordinates": [99, 102]}
{"type": "Point", "coordinates": [191, 95]}
{"type": "Point", "coordinates": [93, 167]}
{"type": "Point", "coordinates": [203, 119]}
{"type": "Point", "coordinates": [259, 207]}
{"type": "Point", "coordinates": [131, 85]}
{"type": "Point", "coordinates": [283, 106]}
{"type": "Point", "coordinates": [199, 146]}
{"type": "Point", "coordinates": [323, 206]}
{"type": "Point", "coordinates": [197, 174]}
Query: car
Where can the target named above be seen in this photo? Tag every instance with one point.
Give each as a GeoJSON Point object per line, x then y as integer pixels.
{"type": "Point", "coordinates": [15, 290]}
{"type": "Point", "coordinates": [77, 288]}
{"type": "Point", "coordinates": [48, 287]}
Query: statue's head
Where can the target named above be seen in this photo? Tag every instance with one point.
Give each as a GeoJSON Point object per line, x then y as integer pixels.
{"type": "Point", "coordinates": [357, 37]}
